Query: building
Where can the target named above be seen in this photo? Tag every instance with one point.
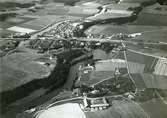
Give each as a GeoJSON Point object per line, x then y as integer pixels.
{"type": "Point", "coordinates": [95, 104]}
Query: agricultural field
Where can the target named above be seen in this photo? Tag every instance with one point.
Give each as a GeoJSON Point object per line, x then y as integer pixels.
{"type": "Point", "coordinates": [5, 25]}
{"type": "Point", "coordinates": [82, 11]}
{"type": "Point", "coordinates": [18, 20]}
{"type": "Point", "coordinates": [108, 16]}
{"type": "Point", "coordinates": [125, 109]}
{"type": "Point", "coordinates": [154, 35]}
{"type": "Point", "coordinates": [123, 6]}
{"type": "Point", "coordinates": [43, 21]}
{"type": "Point", "coordinates": [139, 58]}
{"type": "Point", "coordinates": [5, 32]}
{"type": "Point", "coordinates": [149, 107]}
{"type": "Point", "coordinates": [152, 15]}
{"type": "Point", "coordinates": [158, 50]}
{"type": "Point", "coordinates": [138, 1]}
{"type": "Point", "coordinates": [64, 111]}
{"type": "Point", "coordinates": [21, 1]}
{"type": "Point", "coordinates": [126, 28]}
{"type": "Point", "coordinates": [95, 76]}
{"type": "Point", "coordinates": [151, 19]}
{"type": "Point", "coordinates": [16, 69]}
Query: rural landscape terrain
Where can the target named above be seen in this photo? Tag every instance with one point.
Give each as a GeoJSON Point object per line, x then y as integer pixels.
{"type": "Point", "coordinates": [83, 58]}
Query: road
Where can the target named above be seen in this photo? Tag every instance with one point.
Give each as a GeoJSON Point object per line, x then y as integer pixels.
{"type": "Point", "coordinates": [128, 70]}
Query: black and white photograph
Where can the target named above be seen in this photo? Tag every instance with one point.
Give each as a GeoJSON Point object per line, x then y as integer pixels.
{"type": "Point", "coordinates": [83, 58]}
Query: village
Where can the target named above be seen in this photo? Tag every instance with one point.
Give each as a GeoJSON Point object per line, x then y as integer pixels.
{"type": "Point", "coordinates": [84, 59]}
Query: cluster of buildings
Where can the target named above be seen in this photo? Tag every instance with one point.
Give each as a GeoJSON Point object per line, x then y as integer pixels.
{"type": "Point", "coordinates": [49, 44]}
{"type": "Point", "coordinates": [95, 104]}
{"type": "Point", "coordinates": [65, 29]}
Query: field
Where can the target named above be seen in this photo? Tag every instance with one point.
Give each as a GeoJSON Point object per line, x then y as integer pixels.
{"type": "Point", "coordinates": [113, 29]}
{"type": "Point", "coordinates": [37, 24]}
{"type": "Point", "coordinates": [155, 108]}
{"type": "Point", "coordinates": [60, 9]}
{"type": "Point", "coordinates": [155, 81]}
{"type": "Point", "coordinates": [136, 1]}
{"type": "Point", "coordinates": [82, 11]}
{"type": "Point", "coordinates": [96, 76]}
{"type": "Point", "coordinates": [147, 61]}
{"type": "Point", "coordinates": [154, 35]}
{"type": "Point", "coordinates": [5, 25]}
{"type": "Point", "coordinates": [68, 110]}
{"type": "Point", "coordinates": [156, 50]}
{"type": "Point", "coordinates": [11, 22]}
{"type": "Point", "coordinates": [20, 1]}
{"type": "Point", "coordinates": [123, 6]}
{"type": "Point", "coordinates": [151, 77]}
{"type": "Point", "coordinates": [18, 69]}
{"type": "Point", "coordinates": [148, 81]}
{"type": "Point", "coordinates": [151, 19]}
{"type": "Point", "coordinates": [54, 9]}
{"type": "Point", "coordinates": [20, 29]}
{"type": "Point", "coordinates": [138, 58]}
{"type": "Point", "coordinates": [26, 80]}
{"type": "Point", "coordinates": [140, 84]}
{"type": "Point", "coordinates": [4, 33]}
{"type": "Point", "coordinates": [108, 16]}
{"type": "Point", "coordinates": [14, 21]}
{"type": "Point", "coordinates": [119, 109]}
{"type": "Point", "coordinates": [43, 21]}
{"type": "Point", "coordinates": [18, 20]}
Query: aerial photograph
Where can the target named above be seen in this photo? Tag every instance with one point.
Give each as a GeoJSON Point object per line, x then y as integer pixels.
{"type": "Point", "coordinates": [83, 58]}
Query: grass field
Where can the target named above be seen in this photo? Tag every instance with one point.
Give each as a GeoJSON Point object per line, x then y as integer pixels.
{"type": "Point", "coordinates": [156, 50]}
{"type": "Point", "coordinates": [39, 23]}
{"type": "Point", "coordinates": [82, 11]}
{"type": "Point", "coordinates": [155, 108]}
{"type": "Point", "coordinates": [123, 6]}
{"type": "Point", "coordinates": [96, 76]}
{"type": "Point", "coordinates": [18, 20]}
{"type": "Point", "coordinates": [10, 22]}
{"type": "Point", "coordinates": [137, 1]}
{"type": "Point", "coordinates": [5, 32]}
{"type": "Point", "coordinates": [119, 109]}
{"type": "Point", "coordinates": [45, 20]}
{"type": "Point", "coordinates": [105, 16]}
{"type": "Point", "coordinates": [154, 35]}
{"type": "Point", "coordinates": [69, 110]}
{"type": "Point", "coordinates": [5, 25]}
{"type": "Point", "coordinates": [155, 81]}
{"type": "Point", "coordinates": [21, 1]}
{"type": "Point", "coordinates": [151, 19]}
{"type": "Point", "coordinates": [113, 29]}
{"type": "Point", "coordinates": [138, 58]}
{"type": "Point", "coordinates": [18, 69]}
